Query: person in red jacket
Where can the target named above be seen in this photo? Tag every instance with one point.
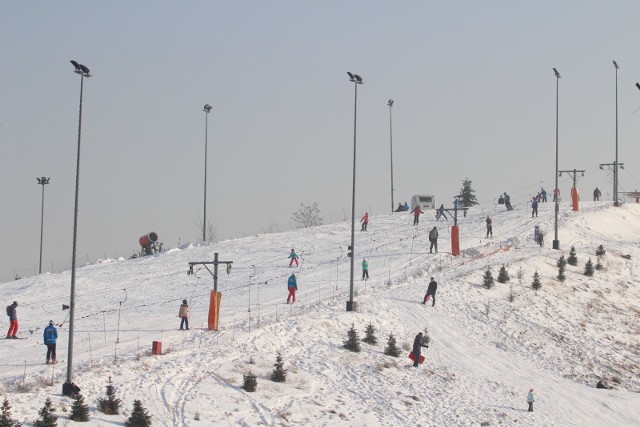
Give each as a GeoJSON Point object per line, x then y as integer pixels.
{"type": "Point", "coordinates": [365, 221]}
{"type": "Point", "coordinates": [416, 214]}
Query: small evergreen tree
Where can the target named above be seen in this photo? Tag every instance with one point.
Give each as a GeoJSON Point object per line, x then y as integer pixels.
{"type": "Point", "coordinates": [487, 280]}
{"type": "Point", "coordinates": [600, 251]}
{"type": "Point", "coordinates": [279, 374]}
{"type": "Point", "coordinates": [588, 268]}
{"type": "Point", "coordinates": [250, 382]}
{"type": "Point", "coordinates": [370, 335]}
{"type": "Point", "coordinates": [599, 265]}
{"type": "Point", "coordinates": [47, 416]}
{"type": "Point", "coordinates": [503, 275]}
{"type": "Point", "coordinates": [573, 259]}
{"type": "Point", "coordinates": [5, 417]}
{"type": "Point", "coordinates": [139, 416]}
{"type": "Point", "coordinates": [391, 349]}
{"type": "Point", "coordinates": [561, 266]}
{"type": "Point", "coordinates": [467, 197]}
{"type": "Point", "coordinates": [536, 281]}
{"type": "Point", "coordinates": [353, 342]}
{"type": "Point", "coordinates": [110, 405]}
{"type": "Point", "coordinates": [426, 339]}
{"type": "Point", "coordinates": [79, 409]}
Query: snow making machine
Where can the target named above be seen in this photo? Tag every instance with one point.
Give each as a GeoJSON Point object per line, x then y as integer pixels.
{"type": "Point", "coordinates": [149, 243]}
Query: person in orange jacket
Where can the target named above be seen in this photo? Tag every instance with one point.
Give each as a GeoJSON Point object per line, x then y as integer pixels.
{"type": "Point", "coordinates": [365, 221]}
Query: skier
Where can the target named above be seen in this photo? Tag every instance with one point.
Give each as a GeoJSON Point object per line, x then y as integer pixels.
{"type": "Point", "coordinates": [431, 292]}
{"type": "Point", "coordinates": [489, 226]}
{"type": "Point", "coordinates": [507, 201]}
{"type": "Point", "coordinates": [184, 315]}
{"type": "Point", "coordinates": [365, 268]}
{"type": "Point", "coordinates": [13, 320]}
{"type": "Point", "coordinates": [292, 285]}
{"type": "Point", "coordinates": [441, 213]}
{"type": "Point", "coordinates": [365, 221]}
{"type": "Point", "coordinates": [530, 400]}
{"type": "Point", "coordinates": [50, 336]}
{"type": "Point", "coordinates": [433, 239]}
{"type": "Point", "coordinates": [543, 193]}
{"type": "Point", "coordinates": [416, 214]}
{"type": "Point", "coordinates": [556, 194]}
{"type": "Point", "coordinates": [596, 195]}
{"type": "Point", "coordinates": [534, 207]}
{"type": "Point", "coordinates": [417, 348]}
{"type": "Point", "coordinates": [294, 257]}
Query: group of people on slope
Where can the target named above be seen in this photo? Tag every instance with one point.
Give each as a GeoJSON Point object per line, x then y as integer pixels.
{"type": "Point", "coordinates": [50, 334]}
{"type": "Point", "coordinates": [402, 208]}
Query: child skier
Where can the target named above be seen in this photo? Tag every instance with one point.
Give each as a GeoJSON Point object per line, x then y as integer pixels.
{"type": "Point", "coordinates": [292, 286]}
{"type": "Point", "coordinates": [530, 400]}
{"type": "Point", "coordinates": [183, 313]}
{"type": "Point", "coordinates": [294, 257]}
{"type": "Point", "coordinates": [365, 221]}
{"type": "Point", "coordinates": [365, 268]}
{"type": "Point", "coordinates": [13, 320]}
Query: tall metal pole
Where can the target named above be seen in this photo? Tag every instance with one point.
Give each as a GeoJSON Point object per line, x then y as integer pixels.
{"type": "Point", "coordinates": [66, 388]}
{"type": "Point", "coordinates": [42, 181]}
{"type": "Point", "coordinates": [556, 242]}
{"type": "Point", "coordinates": [390, 104]}
{"type": "Point", "coordinates": [206, 109]}
{"type": "Point", "coordinates": [616, 166]}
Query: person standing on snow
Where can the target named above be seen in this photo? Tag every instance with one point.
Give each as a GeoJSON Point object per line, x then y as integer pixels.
{"type": "Point", "coordinates": [365, 268]}
{"type": "Point", "coordinates": [13, 320]}
{"type": "Point", "coordinates": [416, 214]}
{"type": "Point", "coordinates": [294, 257]}
{"type": "Point", "coordinates": [183, 313]}
{"type": "Point", "coordinates": [50, 336]}
{"type": "Point", "coordinates": [417, 348]}
{"type": "Point", "coordinates": [530, 400]}
{"type": "Point", "coordinates": [596, 195]}
{"type": "Point", "coordinates": [556, 194]}
{"type": "Point", "coordinates": [365, 221]}
{"type": "Point", "coordinates": [507, 201]}
{"type": "Point", "coordinates": [489, 226]}
{"type": "Point", "coordinates": [543, 193]}
{"type": "Point", "coordinates": [433, 239]}
{"type": "Point", "coordinates": [431, 292]}
{"type": "Point", "coordinates": [292, 286]}
{"type": "Point", "coordinates": [534, 207]}
{"type": "Point", "coordinates": [440, 213]}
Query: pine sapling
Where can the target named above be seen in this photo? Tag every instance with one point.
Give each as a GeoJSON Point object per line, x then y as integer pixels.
{"type": "Point", "coordinates": [599, 265]}
{"type": "Point", "coordinates": [536, 281]}
{"type": "Point", "coordinates": [47, 416]}
{"type": "Point", "coordinates": [573, 259]}
{"type": "Point", "coordinates": [353, 341]}
{"type": "Point", "coordinates": [370, 335]}
{"type": "Point", "coordinates": [426, 339]}
{"type": "Point", "coordinates": [503, 275]}
{"type": "Point", "coordinates": [588, 268]}
{"type": "Point", "coordinates": [561, 266]}
{"type": "Point", "coordinates": [279, 374]}
{"type": "Point", "coordinates": [79, 409]}
{"type": "Point", "coordinates": [600, 251]}
{"type": "Point", "coordinates": [5, 417]}
{"type": "Point", "coordinates": [139, 416]}
{"type": "Point", "coordinates": [110, 405]}
{"type": "Point", "coordinates": [487, 280]}
{"type": "Point", "coordinates": [391, 349]}
{"type": "Point", "coordinates": [250, 382]}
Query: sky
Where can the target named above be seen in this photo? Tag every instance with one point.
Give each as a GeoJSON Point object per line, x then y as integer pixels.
{"type": "Point", "coordinates": [487, 347]}
{"type": "Point", "coordinates": [472, 83]}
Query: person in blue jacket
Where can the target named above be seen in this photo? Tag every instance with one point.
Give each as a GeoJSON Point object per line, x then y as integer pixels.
{"type": "Point", "coordinates": [50, 337]}
{"type": "Point", "coordinates": [292, 285]}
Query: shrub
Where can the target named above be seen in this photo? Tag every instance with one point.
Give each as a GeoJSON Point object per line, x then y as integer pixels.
{"type": "Point", "coordinates": [110, 405]}
{"type": "Point", "coordinates": [536, 281]}
{"type": "Point", "coordinates": [561, 267]}
{"type": "Point", "coordinates": [487, 280]}
{"type": "Point", "coordinates": [47, 416]}
{"type": "Point", "coordinates": [250, 382]}
{"type": "Point", "coordinates": [353, 342]}
{"type": "Point", "coordinates": [588, 268]}
{"type": "Point", "coordinates": [503, 275]}
{"type": "Point", "coordinates": [573, 259]}
{"type": "Point", "coordinates": [600, 251]}
{"type": "Point", "coordinates": [370, 335]}
{"type": "Point", "coordinates": [392, 349]}
{"type": "Point", "coordinates": [279, 374]}
{"type": "Point", "coordinates": [5, 417]}
{"type": "Point", "coordinates": [79, 409]}
{"type": "Point", "coordinates": [139, 416]}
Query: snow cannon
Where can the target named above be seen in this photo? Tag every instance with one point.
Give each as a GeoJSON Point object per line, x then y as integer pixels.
{"type": "Point", "coordinates": [148, 243]}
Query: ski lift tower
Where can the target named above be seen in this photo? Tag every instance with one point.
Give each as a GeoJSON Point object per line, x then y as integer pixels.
{"type": "Point", "coordinates": [214, 301]}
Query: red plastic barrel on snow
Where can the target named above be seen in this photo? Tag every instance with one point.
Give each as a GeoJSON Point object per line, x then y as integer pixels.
{"type": "Point", "coordinates": [148, 239]}
{"type": "Point", "coordinates": [575, 199]}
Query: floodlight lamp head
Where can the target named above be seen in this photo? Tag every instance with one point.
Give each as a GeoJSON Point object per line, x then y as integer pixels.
{"type": "Point", "coordinates": [358, 79]}
{"type": "Point", "coordinates": [560, 174]}
{"type": "Point", "coordinates": [638, 85]}
{"type": "Point", "coordinates": [601, 167]}
{"type": "Point", "coordinates": [207, 108]}
{"type": "Point", "coordinates": [615, 64]}
{"type": "Point", "coordinates": [80, 69]}
{"type": "Point", "coordinates": [556, 73]}
{"type": "Point", "coordinates": [351, 76]}
{"type": "Point", "coordinates": [390, 103]}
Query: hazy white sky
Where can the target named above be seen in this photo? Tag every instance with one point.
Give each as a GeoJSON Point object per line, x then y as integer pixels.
{"type": "Point", "coordinates": [472, 81]}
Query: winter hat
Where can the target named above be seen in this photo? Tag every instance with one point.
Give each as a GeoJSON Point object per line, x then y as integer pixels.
{"type": "Point", "coordinates": [51, 322]}
{"type": "Point", "coordinates": [531, 390]}
{"type": "Point", "coordinates": [184, 301]}
{"type": "Point", "coordinates": [15, 303]}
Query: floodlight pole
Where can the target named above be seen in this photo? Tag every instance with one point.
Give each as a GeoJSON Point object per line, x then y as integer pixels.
{"type": "Point", "coordinates": [42, 181]}
{"type": "Point", "coordinates": [207, 110]}
{"type": "Point", "coordinates": [556, 242]}
{"type": "Point", "coordinates": [390, 104]}
{"type": "Point", "coordinates": [616, 202]}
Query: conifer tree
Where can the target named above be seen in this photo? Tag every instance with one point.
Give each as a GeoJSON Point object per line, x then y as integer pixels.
{"type": "Point", "coordinates": [139, 416]}
{"type": "Point", "coordinates": [588, 268]}
{"type": "Point", "coordinates": [467, 197]}
{"type": "Point", "coordinates": [599, 265]}
{"type": "Point", "coordinates": [503, 275]}
{"type": "Point", "coordinates": [392, 349]}
{"type": "Point", "coordinates": [279, 374]}
{"type": "Point", "coordinates": [249, 382]}
{"type": "Point", "coordinates": [47, 416]}
{"type": "Point", "coordinates": [487, 280]}
{"type": "Point", "coordinates": [426, 339]}
{"type": "Point", "coordinates": [573, 259]}
{"type": "Point", "coordinates": [600, 251]}
{"type": "Point", "coordinates": [110, 405]}
{"type": "Point", "coordinates": [79, 409]}
{"type": "Point", "coordinates": [370, 335]}
{"type": "Point", "coordinates": [561, 266]}
{"type": "Point", "coordinates": [536, 281]}
{"type": "Point", "coordinates": [5, 417]}
{"type": "Point", "coordinates": [353, 342]}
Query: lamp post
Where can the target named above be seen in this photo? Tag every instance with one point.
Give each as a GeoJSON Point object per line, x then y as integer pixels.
{"type": "Point", "coordinates": [357, 80]}
{"type": "Point", "coordinates": [556, 242]}
{"type": "Point", "coordinates": [390, 104]}
{"type": "Point", "coordinates": [68, 387]}
{"type": "Point", "coordinates": [207, 110]}
{"type": "Point", "coordinates": [42, 181]}
{"type": "Point", "coordinates": [615, 167]}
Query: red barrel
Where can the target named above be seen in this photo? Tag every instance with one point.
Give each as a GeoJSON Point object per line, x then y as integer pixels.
{"type": "Point", "coordinates": [156, 347]}
{"type": "Point", "coordinates": [148, 239]}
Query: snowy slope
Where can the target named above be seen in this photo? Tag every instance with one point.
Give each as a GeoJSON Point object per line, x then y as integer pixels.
{"type": "Point", "coordinates": [486, 351]}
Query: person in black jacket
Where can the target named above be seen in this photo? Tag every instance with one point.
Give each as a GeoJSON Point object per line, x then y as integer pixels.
{"type": "Point", "coordinates": [433, 239]}
{"type": "Point", "coordinates": [431, 292]}
{"type": "Point", "coordinates": [417, 348]}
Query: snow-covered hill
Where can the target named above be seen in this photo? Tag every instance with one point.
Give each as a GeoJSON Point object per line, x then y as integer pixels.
{"type": "Point", "coordinates": [488, 346]}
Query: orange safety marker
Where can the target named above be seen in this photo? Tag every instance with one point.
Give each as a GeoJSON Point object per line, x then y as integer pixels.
{"type": "Point", "coordinates": [575, 199]}
{"type": "Point", "coordinates": [455, 240]}
{"type": "Point", "coordinates": [214, 310]}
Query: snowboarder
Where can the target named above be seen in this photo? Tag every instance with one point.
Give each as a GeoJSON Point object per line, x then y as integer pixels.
{"type": "Point", "coordinates": [183, 313]}
{"type": "Point", "coordinates": [416, 214]}
{"type": "Point", "coordinates": [292, 285]}
{"type": "Point", "coordinates": [417, 348]}
{"type": "Point", "coordinates": [596, 195]}
{"type": "Point", "coordinates": [431, 292]}
{"type": "Point", "coordinates": [13, 320]}
{"type": "Point", "coordinates": [365, 221]}
{"type": "Point", "coordinates": [543, 193]}
{"type": "Point", "coordinates": [50, 336]}
{"type": "Point", "coordinates": [489, 226]}
{"type": "Point", "coordinates": [433, 239]}
{"type": "Point", "coordinates": [530, 400]}
{"type": "Point", "coordinates": [365, 268]}
{"type": "Point", "coordinates": [294, 257]}
{"type": "Point", "coordinates": [507, 202]}
{"type": "Point", "coordinates": [441, 214]}
{"type": "Point", "coordinates": [534, 207]}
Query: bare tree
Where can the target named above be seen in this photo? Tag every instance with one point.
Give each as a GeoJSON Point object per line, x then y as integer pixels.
{"type": "Point", "coordinates": [307, 216]}
{"type": "Point", "coordinates": [211, 230]}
